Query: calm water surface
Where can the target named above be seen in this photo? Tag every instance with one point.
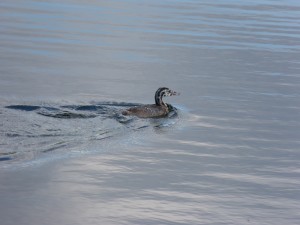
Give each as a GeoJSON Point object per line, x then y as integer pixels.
{"type": "Point", "coordinates": [229, 155]}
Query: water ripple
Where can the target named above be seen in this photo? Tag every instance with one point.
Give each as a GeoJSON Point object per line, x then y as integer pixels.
{"type": "Point", "coordinates": [68, 128]}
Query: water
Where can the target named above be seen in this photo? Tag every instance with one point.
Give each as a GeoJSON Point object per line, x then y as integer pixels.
{"type": "Point", "coordinates": [228, 155]}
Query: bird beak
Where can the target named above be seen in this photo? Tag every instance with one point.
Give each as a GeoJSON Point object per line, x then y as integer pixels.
{"type": "Point", "coordinates": [174, 93]}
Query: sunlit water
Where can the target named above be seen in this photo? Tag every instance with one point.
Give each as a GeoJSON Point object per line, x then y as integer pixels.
{"type": "Point", "coordinates": [228, 154]}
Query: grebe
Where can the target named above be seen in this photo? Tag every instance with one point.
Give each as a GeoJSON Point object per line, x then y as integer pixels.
{"type": "Point", "coordinates": [159, 109]}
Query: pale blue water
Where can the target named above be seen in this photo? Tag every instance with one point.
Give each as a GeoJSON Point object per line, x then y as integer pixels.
{"type": "Point", "coordinates": [228, 155]}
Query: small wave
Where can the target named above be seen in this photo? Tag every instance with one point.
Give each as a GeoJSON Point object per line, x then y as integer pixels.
{"type": "Point", "coordinates": [6, 156]}
{"type": "Point", "coordinates": [23, 107]}
{"type": "Point", "coordinates": [66, 114]}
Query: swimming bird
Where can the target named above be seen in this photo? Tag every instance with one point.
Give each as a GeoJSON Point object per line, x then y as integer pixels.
{"type": "Point", "coordinates": [159, 109]}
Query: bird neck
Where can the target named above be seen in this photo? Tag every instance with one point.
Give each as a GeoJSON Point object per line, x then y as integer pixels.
{"type": "Point", "coordinates": [158, 100]}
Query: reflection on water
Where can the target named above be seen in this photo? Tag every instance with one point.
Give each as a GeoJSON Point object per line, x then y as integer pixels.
{"type": "Point", "coordinates": [231, 156]}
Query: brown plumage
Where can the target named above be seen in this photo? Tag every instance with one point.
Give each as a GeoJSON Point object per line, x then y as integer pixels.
{"type": "Point", "coordinates": [159, 109]}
